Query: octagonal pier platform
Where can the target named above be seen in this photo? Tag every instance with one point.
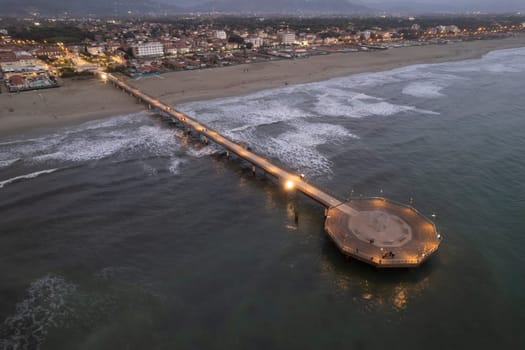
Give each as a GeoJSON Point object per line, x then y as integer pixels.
{"type": "Point", "coordinates": [381, 232]}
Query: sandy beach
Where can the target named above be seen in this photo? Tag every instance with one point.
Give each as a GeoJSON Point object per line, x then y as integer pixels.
{"type": "Point", "coordinates": [73, 102]}
{"type": "Point", "coordinates": [81, 100]}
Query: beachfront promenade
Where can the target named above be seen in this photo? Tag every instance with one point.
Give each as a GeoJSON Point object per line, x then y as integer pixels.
{"type": "Point", "coordinates": [376, 231]}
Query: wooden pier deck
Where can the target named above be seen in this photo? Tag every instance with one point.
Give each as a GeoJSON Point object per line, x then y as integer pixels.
{"type": "Point", "coordinates": [377, 231]}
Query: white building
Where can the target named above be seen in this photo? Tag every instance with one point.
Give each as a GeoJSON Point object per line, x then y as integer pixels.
{"type": "Point", "coordinates": [220, 34]}
{"type": "Point", "coordinates": [148, 49]}
{"type": "Point", "coordinates": [448, 29]}
{"type": "Point", "coordinates": [95, 50]}
{"type": "Point", "coordinates": [255, 41]}
{"type": "Point", "coordinates": [287, 38]}
{"type": "Point", "coordinates": [365, 34]}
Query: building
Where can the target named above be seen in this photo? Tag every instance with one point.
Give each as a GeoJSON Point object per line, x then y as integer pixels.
{"type": "Point", "coordinates": [220, 34]}
{"type": "Point", "coordinates": [365, 34]}
{"type": "Point", "coordinates": [16, 82]}
{"type": "Point", "coordinates": [170, 49]}
{"type": "Point", "coordinates": [50, 51]}
{"type": "Point", "coordinates": [151, 49]}
{"type": "Point", "coordinates": [287, 38]}
{"type": "Point", "coordinates": [255, 41]}
{"type": "Point", "coordinates": [20, 62]}
{"type": "Point", "coordinates": [448, 29]}
{"type": "Point", "coordinates": [95, 50]}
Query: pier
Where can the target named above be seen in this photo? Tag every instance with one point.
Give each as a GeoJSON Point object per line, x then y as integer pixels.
{"type": "Point", "coordinates": [377, 231]}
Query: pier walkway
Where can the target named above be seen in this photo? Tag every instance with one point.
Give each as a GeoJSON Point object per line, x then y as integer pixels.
{"type": "Point", "coordinates": [374, 230]}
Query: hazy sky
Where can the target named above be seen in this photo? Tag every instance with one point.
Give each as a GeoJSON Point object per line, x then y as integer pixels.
{"type": "Point", "coordinates": [507, 5]}
{"type": "Point", "coordinates": [459, 3]}
{"type": "Point", "coordinates": [387, 5]}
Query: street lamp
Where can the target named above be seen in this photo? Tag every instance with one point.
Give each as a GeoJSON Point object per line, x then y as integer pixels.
{"type": "Point", "coordinates": [104, 76]}
{"type": "Point", "coordinates": [289, 185]}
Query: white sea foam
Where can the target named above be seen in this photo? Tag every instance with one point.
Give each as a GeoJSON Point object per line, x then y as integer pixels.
{"type": "Point", "coordinates": [424, 89]}
{"type": "Point", "coordinates": [203, 152]}
{"type": "Point", "coordinates": [174, 166]}
{"type": "Point", "coordinates": [8, 162]}
{"type": "Point", "coordinates": [45, 306]}
{"type": "Point", "coordinates": [26, 177]}
{"type": "Point", "coordinates": [298, 147]}
{"type": "Point", "coordinates": [332, 106]}
{"type": "Point", "coordinates": [149, 170]}
{"type": "Point", "coordinates": [363, 80]}
{"type": "Point", "coordinates": [236, 113]}
{"type": "Point", "coordinates": [123, 136]}
{"type": "Point", "coordinates": [295, 110]}
{"type": "Point", "coordinates": [501, 61]}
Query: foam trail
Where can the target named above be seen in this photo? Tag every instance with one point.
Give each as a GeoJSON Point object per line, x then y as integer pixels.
{"type": "Point", "coordinates": [175, 165]}
{"type": "Point", "coordinates": [423, 89]}
{"type": "Point", "coordinates": [204, 151]}
{"type": "Point", "coordinates": [27, 176]}
{"type": "Point", "coordinates": [45, 306]}
{"type": "Point", "coordinates": [8, 162]}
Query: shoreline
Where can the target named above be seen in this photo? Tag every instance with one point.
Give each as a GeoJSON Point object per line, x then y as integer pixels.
{"type": "Point", "coordinates": [77, 101]}
{"type": "Point", "coordinates": [198, 85]}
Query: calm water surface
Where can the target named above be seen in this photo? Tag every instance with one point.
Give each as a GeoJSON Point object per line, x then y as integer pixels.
{"type": "Point", "coordinates": [126, 234]}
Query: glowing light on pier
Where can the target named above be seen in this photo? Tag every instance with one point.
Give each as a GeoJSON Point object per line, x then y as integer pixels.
{"type": "Point", "coordinates": [289, 185]}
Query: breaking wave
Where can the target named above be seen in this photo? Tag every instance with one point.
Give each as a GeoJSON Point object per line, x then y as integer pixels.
{"type": "Point", "coordinates": [26, 176]}
{"type": "Point", "coordinates": [8, 162]}
{"type": "Point", "coordinates": [423, 89]}
{"type": "Point", "coordinates": [121, 137]}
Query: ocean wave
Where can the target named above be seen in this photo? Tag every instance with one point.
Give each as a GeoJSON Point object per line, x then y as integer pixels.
{"type": "Point", "coordinates": [26, 176]}
{"type": "Point", "coordinates": [8, 162]}
{"type": "Point", "coordinates": [124, 135]}
{"type": "Point", "coordinates": [203, 152]}
{"type": "Point", "coordinates": [356, 108]}
{"type": "Point", "coordinates": [499, 61]}
{"type": "Point", "coordinates": [298, 147]}
{"type": "Point", "coordinates": [45, 306]}
{"type": "Point", "coordinates": [174, 166]}
{"type": "Point", "coordinates": [424, 89]}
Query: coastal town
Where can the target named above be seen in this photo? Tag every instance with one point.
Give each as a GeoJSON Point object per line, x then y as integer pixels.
{"type": "Point", "coordinates": [36, 52]}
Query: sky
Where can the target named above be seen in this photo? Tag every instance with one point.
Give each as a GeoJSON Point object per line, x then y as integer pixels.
{"type": "Point", "coordinates": [420, 6]}
{"type": "Point", "coordinates": [511, 5]}
{"type": "Point", "coordinates": [484, 5]}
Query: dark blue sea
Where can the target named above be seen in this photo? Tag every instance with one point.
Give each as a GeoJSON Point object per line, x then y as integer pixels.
{"type": "Point", "coordinates": [127, 233]}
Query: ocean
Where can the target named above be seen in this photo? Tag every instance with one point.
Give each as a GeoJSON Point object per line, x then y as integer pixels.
{"type": "Point", "coordinates": [127, 233]}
